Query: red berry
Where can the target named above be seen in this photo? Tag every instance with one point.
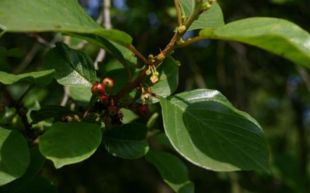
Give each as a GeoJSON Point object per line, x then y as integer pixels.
{"type": "Point", "coordinates": [143, 110]}
{"type": "Point", "coordinates": [104, 99]}
{"type": "Point", "coordinates": [109, 82]}
{"type": "Point", "coordinates": [98, 89]}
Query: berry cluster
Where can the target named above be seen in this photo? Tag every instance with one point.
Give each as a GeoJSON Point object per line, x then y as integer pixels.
{"type": "Point", "coordinates": [100, 89]}
{"type": "Point", "coordinates": [108, 108]}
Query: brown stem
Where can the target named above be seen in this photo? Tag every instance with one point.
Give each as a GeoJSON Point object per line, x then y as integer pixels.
{"type": "Point", "coordinates": [138, 54]}
{"type": "Point", "coordinates": [164, 53]}
{"type": "Point", "coordinates": [191, 41]}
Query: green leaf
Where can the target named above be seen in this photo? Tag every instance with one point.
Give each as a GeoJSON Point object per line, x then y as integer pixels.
{"type": "Point", "coordinates": [173, 171]}
{"type": "Point", "coordinates": [82, 94]}
{"type": "Point", "coordinates": [168, 78]}
{"type": "Point", "coordinates": [208, 131]}
{"type": "Point", "coordinates": [14, 157]}
{"type": "Point", "coordinates": [56, 15]}
{"type": "Point", "coordinates": [23, 183]}
{"type": "Point", "coordinates": [73, 67]}
{"type": "Point", "coordinates": [277, 36]}
{"type": "Point", "coordinates": [126, 141]}
{"type": "Point", "coordinates": [187, 7]}
{"type": "Point", "coordinates": [69, 143]}
{"type": "Point", "coordinates": [210, 19]}
{"type": "Point", "coordinates": [40, 77]}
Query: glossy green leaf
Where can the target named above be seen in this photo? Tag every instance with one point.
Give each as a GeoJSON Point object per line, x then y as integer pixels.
{"type": "Point", "coordinates": [69, 143]}
{"type": "Point", "coordinates": [277, 36]}
{"type": "Point", "coordinates": [210, 19]}
{"type": "Point", "coordinates": [168, 78]}
{"type": "Point", "coordinates": [14, 155]}
{"type": "Point", "coordinates": [173, 171]}
{"type": "Point", "coordinates": [40, 77]}
{"type": "Point", "coordinates": [73, 68]}
{"type": "Point", "coordinates": [56, 15]}
{"type": "Point", "coordinates": [208, 131]}
{"type": "Point", "coordinates": [126, 141]}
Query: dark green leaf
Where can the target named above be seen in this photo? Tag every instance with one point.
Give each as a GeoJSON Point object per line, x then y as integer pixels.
{"type": "Point", "coordinates": [208, 131]}
{"type": "Point", "coordinates": [56, 15]}
{"type": "Point", "coordinates": [22, 184]}
{"type": "Point", "coordinates": [74, 69]}
{"type": "Point", "coordinates": [40, 78]}
{"type": "Point", "coordinates": [173, 171]}
{"type": "Point", "coordinates": [168, 78]}
{"type": "Point", "coordinates": [14, 157]}
{"type": "Point", "coordinates": [127, 141]}
{"type": "Point", "coordinates": [69, 143]}
{"type": "Point", "coordinates": [277, 36]}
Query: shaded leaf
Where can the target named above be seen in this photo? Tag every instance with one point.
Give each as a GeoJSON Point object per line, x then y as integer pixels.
{"type": "Point", "coordinates": [40, 77]}
{"type": "Point", "coordinates": [168, 78]}
{"type": "Point", "coordinates": [56, 15]}
{"type": "Point", "coordinates": [69, 143]}
{"type": "Point", "coordinates": [14, 155]}
{"type": "Point", "coordinates": [126, 141]}
{"type": "Point", "coordinates": [173, 171]}
{"type": "Point", "coordinates": [277, 36]}
{"type": "Point", "coordinates": [208, 131]}
{"type": "Point", "coordinates": [22, 184]}
{"type": "Point", "coordinates": [56, 112]}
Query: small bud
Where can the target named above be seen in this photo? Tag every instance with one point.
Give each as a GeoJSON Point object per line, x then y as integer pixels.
{"type": "Point", "coordinates": [154, 78]}
{"type": "Point", "coordinates": [148, 71]}
{"type": "Point", "coordinates": [104, 99]}
{"type": "Point", "coordinates": [161, 56]}
{"type": "Point", "coordinates": [212, 1]}
{"type": "Point", "coordinates": [181, 29]}
{"type": "Point", "coordinates": [206, 6]}
{"type": "Point", "coordinates": [109, 82]}
{"type": "Point", "coordinates": [98, 89]}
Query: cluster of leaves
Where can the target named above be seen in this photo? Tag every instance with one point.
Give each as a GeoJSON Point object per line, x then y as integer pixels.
{"type": "Point", "coordinates": [201, 125]}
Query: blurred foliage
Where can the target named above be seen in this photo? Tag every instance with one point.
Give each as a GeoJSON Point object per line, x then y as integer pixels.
{"type": "Point", "coordinates": [270, 88]}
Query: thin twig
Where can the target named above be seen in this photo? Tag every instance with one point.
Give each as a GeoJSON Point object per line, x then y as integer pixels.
{"type": "Point", "coordinates": [28, 58]}
{"type": "Point", "coordinates": [167, 50]}
{"type": "Point", "coordinates": [108, 25]}
{"type": "Point", "coordinates": [191, 41]}
{"type": "Point", "coordinates": [65, 97]}
{"type": "Point", "coordinates": [138, 54]}
{"type": "Point", "coordinates": [179, 13]}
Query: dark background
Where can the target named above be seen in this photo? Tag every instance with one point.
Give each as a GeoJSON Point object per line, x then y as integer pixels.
{"type": "Point", "coordinates": [271, 89]}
